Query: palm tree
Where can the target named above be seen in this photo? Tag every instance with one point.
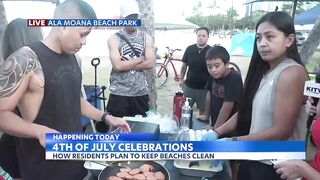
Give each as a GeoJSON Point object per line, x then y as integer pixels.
{"type": "Point", "coordinates": [311, 44]}
{"type": "Point", "coordinates": [147, 17]}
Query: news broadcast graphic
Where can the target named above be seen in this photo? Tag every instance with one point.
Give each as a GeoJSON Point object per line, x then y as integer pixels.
{"type": "Point", "coordinates": [312, 89]}
{"type": "Point", "coordinates": [124, 147]}
{"type": "Point", "coordinates": [84, 22]}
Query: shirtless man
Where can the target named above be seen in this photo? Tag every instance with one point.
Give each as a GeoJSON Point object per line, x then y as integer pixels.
{"type": "Point", "coordinates": [44, 82]}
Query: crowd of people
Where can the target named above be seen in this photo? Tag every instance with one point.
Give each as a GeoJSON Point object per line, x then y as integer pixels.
{"type": "Point", "coordinates": [40, 92]}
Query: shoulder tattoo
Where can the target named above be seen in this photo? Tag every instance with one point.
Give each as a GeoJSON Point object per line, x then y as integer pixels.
{"type": "Point", "coordinates": [15, 68]}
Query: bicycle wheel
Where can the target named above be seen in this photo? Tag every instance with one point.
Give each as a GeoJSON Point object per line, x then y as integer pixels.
{"type": "Point", "coordinates": [234, 66]}
{"type": "Point", "coordinates": [162, 75]}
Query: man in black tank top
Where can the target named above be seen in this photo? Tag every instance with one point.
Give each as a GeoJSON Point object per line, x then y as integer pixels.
{"type": "Point", "coordinates": [44, 82]}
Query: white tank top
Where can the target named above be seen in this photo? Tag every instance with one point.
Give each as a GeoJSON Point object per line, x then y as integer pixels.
{"type": "Point", "coordinates": [263, 104]}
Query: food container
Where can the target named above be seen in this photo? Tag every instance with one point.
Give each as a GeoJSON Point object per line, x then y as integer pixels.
{"type": "Point", "coordinates": [141, 127]}
{"type": "Point", "coordinates": [201, 168]}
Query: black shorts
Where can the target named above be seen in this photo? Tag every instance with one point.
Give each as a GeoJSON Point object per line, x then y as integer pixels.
{"type": "Point", "coordinates": [120, 106]}
{"type": "Point", "coordinates": [253, 170]}
{"type": "Point", "coordinates": [8, 156]}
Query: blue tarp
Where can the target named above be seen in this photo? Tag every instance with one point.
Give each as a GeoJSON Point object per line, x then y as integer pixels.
{"type": "Point", "coordinates": [242, 44]}
{"type": "Point", "coordinates": [308, 17]}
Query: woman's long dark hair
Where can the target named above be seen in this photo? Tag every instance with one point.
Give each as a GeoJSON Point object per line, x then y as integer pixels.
{"type": "Point", "coordinates": [258, 67]}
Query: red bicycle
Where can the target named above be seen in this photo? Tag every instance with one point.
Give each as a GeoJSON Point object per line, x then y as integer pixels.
{"type": "Point", "coordinates": [162, 69]}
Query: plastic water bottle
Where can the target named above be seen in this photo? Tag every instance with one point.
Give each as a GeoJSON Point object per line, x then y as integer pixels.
{"type": "Point", "coordinates": [186, 115]}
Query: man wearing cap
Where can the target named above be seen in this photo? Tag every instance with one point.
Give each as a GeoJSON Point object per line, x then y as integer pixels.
{"type": "Point", "coordinates": [130, 52]}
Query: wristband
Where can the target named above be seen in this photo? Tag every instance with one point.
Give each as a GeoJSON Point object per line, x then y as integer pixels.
{"type": "Point", "coordinates": [104, 115]}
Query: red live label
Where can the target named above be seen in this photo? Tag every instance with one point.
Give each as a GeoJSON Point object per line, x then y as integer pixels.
{"type": "Point", "coordinates": [37, 22]}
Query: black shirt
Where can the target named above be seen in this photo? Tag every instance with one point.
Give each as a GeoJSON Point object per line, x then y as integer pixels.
{"type": "Point", "coordinates": [60, 110]}
{"type": "Point", "coordinates": [197, 75]}
{"type": "Point", "coordinates": [226, 89]}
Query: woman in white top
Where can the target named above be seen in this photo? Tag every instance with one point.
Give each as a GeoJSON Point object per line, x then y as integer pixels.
{"type": "Point", "coordinates": [272, 107]}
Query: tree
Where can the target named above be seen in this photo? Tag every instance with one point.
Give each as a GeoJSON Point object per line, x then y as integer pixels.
{"type": "Point", "coordinates": [147, 18]}
{"type": "Point", "coordinates": [197, 9]}
{"type": "Point", "coordinates": [3, 23]}
{"type": "Point", "coordinates": [310, 45]}
{"type": "Point", "coordinates": [301, 6]}
{"type": "Point", "coordinates": [231, 17]}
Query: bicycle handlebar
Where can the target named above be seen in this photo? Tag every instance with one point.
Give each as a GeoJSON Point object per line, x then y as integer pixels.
{"type": "Point", "coordinates": [171, 51]}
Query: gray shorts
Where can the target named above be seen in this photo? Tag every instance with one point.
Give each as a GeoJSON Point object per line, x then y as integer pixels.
{"type": "Point", "coordinates": [197, 96]}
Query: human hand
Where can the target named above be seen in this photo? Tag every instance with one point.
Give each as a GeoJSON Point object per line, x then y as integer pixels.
{"type": "Point", "coordinates": [290, 170]}
{"type": "Point", "coordinates": [119, 122]}
{"type": "Point", "coordinates": [41, 133]}
{"type": "Point", "coordinates": [210, 136]}
{"type": "Point", "coordinates": [310, 109]}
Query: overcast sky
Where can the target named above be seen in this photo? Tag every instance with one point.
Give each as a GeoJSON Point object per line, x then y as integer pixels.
{"type": "Point", "coordinates": [110, 8]}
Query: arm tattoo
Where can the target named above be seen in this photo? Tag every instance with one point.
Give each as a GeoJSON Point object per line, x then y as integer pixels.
{"type": "Point", "coordinates": [15, 68]}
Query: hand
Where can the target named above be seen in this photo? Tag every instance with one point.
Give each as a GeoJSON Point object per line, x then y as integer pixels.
{"type": "Point", "coordinates": [310, 109]}
{"type": "Point", "coordinates": [118, 122]}
{"type": "Point", "coordinates": [41, 133]}
{"type": "Point", "coordinates": [210, 136]}
{"type": "Point", "coordinates": [289, 170]}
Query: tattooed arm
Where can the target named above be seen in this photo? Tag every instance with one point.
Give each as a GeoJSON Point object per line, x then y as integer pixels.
{"type": "Point", "coordinates": [15, 76]}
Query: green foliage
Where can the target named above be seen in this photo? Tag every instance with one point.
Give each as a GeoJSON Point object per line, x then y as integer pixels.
{"type": "Point", "coordinates": [228, 21]}
{"type": "Point", "coordinates": [231, 17]}
{"type": "Point", "coordinates": [301, 6]}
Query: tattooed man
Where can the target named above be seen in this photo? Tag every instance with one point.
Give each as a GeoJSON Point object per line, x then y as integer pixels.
{"type": "Point", "coordinates": [43, 80]}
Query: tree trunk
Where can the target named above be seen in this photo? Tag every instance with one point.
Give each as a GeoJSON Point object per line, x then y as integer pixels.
{"type": "Point", "coordinates": [311, 44]}
{"type": "Point", "coordinates": [3, 23]}
{"type": "Point", "coordinates": [147, 18]}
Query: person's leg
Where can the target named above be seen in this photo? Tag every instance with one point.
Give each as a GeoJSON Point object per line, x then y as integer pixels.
{"type": "Point", "coordinates": [139, 105]}
{"type": "Point", "coordinates": [200, 98]}
{"type": "Point", "coordinates": [234, 165]}
{"type": "Point", "coordinates": [188, 92]}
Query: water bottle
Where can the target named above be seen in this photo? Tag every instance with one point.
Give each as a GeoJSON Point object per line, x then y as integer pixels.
{"type": "Point", "coordinates": [186, 116]}
{"type": "Point", "coordinates": [178, 100]}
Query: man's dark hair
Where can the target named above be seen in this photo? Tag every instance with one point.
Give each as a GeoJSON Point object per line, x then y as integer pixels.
{"type": "Point", "coordinates": [218, 52]}
{"type": "Point", "coordinates": [72, 9]}
{"type": "Point", "coordinates": [203, 28]}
